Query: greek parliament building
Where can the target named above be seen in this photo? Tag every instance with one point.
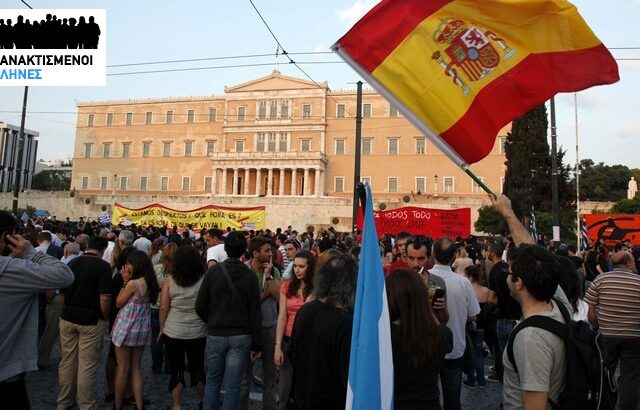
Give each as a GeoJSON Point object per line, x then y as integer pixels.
{"type": "Point", "coordinates": [9, 161]}
{"type": "Point", "coordinates": [277, 141]}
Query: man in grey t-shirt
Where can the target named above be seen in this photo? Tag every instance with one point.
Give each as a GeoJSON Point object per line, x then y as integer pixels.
{"type": "Point", "coordinates": [540, 356]}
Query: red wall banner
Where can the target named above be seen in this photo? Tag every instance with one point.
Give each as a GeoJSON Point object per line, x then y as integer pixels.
{"type": "Point", "coordinates": [613, 228]}
{"type": "Point", "coordinates": [434, 223]}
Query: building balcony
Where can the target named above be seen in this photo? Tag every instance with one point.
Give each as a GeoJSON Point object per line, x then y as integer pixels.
{"type": "Point", "coordinates": [309, 157]}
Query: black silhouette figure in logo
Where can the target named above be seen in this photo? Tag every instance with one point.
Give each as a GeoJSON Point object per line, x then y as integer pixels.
{"type": "Point", "coordinates": [611, 232]}
{"type": "Point", "coordinates": [52, 33]}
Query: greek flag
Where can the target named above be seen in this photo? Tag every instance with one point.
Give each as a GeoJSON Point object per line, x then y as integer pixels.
{"type": "Point", "coordinates": [532, 227]}
{"type": "Point", "coordinates": [24, 218]}
{"type": "Point", "coordinates": [105, 219]}
{"type": "Point", "coordinates": [371, 362]}
{"type": "Point", "coordinates": [585, 236]}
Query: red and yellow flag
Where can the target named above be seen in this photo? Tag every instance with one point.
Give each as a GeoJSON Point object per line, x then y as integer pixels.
{"type": "Point", "coordinates": [460, 70]}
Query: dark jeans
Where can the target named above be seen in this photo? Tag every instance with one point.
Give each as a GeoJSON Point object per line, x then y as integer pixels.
{"type": "Point", "coordinates": [451, 382]}
{"type": "Point", "coordinates": [477, 376]}
{"type": "Point", "coordinates": [14, 394]}
{"type": "Point", "coordinates": [504, 327]}
{"type": "Point", "coordinates": [627, 353]}
{"type": "Point", "coordinates": [157, 349]}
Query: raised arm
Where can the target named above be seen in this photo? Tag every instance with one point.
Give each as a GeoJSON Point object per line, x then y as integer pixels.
{"type": "Point", "coordinates": [519, 232]}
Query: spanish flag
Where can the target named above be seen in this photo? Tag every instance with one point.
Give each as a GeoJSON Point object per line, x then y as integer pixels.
{"type": "Point", "coordinates": [460, 70]}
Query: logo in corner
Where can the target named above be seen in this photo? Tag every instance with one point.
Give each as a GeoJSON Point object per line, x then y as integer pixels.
{"type": "Point", "coordinates": [469, 52]}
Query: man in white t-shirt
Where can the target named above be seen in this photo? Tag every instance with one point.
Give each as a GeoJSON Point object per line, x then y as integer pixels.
{"type": "Point", "coordinates": [215, 241]}
{"type": "Point", "coordinates": [142, 243]}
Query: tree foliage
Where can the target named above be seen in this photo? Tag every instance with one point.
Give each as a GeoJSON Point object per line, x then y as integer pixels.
{"type": "Point", "coordinates": [490, 221]}
{"type": "Point", "coordinates": [51, 180]}
{"type": "Point", "coordinates": [600, 182]}
{"type": "Point", "coordinates": [627, 206]}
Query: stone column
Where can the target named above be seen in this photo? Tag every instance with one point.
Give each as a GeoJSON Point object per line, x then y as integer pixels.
{"type": "Point", "coordinates": [223, 189]}
{"type": "Point", "coordinates": [306, 182]}
{"type": "Point", "coordinates": [294, 181]}
{"type": "Point", "coordinates": [281, 185]}
{"type": "Point", "coordinates": [317, 182]}
{"type": "Point", "coordinates": [270, 183]}
{"type": "Point", "coordinates": [323, 175]}
{"type": "Point", "coordinates": [247, 174]}
{"type": "Point", "coordinates": [234, 191]}
{"type": "Point", "coordinates": [214, 180]}
{"type": "Point", "coordinates": [258, 181]}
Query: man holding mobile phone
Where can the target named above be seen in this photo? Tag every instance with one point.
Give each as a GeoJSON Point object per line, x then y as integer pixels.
{"type": "Point", "coordinates": [261, 250]}
{"type": "Point", "coordinates": [24, 273]}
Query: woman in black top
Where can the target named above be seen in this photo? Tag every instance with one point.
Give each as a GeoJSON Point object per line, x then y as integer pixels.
{"type": "Point", "coordinates": [419, 342]}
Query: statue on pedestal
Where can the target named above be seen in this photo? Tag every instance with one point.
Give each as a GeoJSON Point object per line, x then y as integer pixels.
{"type": "Point", "coordinates": [633, 188]}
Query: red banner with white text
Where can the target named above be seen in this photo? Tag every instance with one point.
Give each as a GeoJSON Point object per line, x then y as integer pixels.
{"type": "Point", "coordinates": [434, 223]}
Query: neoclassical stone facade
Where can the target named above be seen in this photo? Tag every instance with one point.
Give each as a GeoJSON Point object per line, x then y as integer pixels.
{"type": "Point", "coordinates": [275, 136]}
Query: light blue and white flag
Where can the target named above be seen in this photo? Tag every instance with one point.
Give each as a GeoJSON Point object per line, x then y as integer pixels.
{"type": "Point", "coordinates": [583, 232]}
{"type": "Point", "coordinates": [24, 218]}
{"type": "Point", "coordinates": [371, 362]}
{"type": "Point", "coordinates": [532, 227]}
{"type": "Point", "coordinates": [105, 219]}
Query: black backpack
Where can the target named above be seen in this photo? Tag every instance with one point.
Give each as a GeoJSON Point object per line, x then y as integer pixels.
{"type": "Point", "coordinates": [589, 382]}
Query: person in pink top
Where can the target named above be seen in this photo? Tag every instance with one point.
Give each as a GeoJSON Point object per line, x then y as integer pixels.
{"type": "Point", "coordinates": [293, 294]}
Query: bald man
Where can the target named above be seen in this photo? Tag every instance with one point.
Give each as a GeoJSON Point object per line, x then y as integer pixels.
{"type": "Point", "coordinates": [614, 307]}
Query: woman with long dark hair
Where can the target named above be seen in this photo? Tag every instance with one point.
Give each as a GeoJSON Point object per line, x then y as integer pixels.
{"type": "Point", "coordinates": [183, 331]}
{"type": "Point", "coordinates": [132, 326]}
{"type": "Point", "coordinates": [293, 294]}
{"type": "Point", "coordinates": [419, 342]}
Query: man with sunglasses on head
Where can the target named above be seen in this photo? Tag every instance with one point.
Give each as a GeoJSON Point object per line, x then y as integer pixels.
{"type": "Point", "coordinates": [24, 273]}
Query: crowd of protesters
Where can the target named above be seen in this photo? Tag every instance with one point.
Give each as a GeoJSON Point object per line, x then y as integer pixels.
{"type": "Point", "coordinates": [222, 299]}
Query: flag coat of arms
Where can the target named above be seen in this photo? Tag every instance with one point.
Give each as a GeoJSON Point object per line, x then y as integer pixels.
{"type": "Point", "coordinates": [460, 70]}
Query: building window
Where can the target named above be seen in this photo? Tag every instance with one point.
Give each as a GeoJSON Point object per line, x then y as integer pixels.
{"type": "Point", "coordinates": [213, 113]}
{"type": "Point", "coordinates": [448, 184]}
{"type": "Point", "coordinates": [169, 117]}
{"type": "Point", "coordinates": [365, 180]}
{"type": "Point", "coordinates": [123, 183]}
{"type": "Point", "coordinates": [90, 120]}
{"type": "Point", "coordinates": [87, 150]}
{"type": "Point", "coordinates": [146, 148]}
{"type": "Point", "coordinates": [126, 149]}
{"type": "Point", "coordinates": [393, 111]}
{"type": "Point", "coordinates": [366, 110]}
{"type": "Point", "coordinates": [339, 184]}
{"type": "Point", "coordinates": [106, 151]}
{"type": "Point", "coordinates": [340, 110]}
{"type": "Point", "coordinates": [305, 145]}
{"type": "Point", "coordinates": [503, 145]}
{"type": "Point", "coordinates": [366, 146]}
{"type": "Point", "coordinates": [273, 110]}
{"type": "Point", "coordinates": [393, 146]}
{"type": "Point", "coordinates": [103, 182]}
{"type": "Point", "coordinates": [143, 183]}
{"type": "Point", "coordinates": [129, 118]}
{"type": "Point", "coordinates": [239, 145]}
{"type": "Point", "coordinates": [241, 113]}
{"type": "Point", "coordinates": [148, 117]}
{"type": "Point", "coordinates": [272, 142]}
{"type": "Point", "coordinates": [164, 183]}
{"type": "Point", "coordinates": [186, 183]}
{"type": "Point", "coordinates": [262, 110]}
{"type": "Point", "coordinates": [306, 111]}
{"type": "Point", "coordinates": [339, 147]}
{"type": "Point", "coordinates": [393, 184]}
{"type": "Point", "coordinates": [208, 183]}
{"type": "Point", "coordinates": [260, 142]}
{"type": "Point", "coordinates": [283, 142]}
{"type": "Point", "coordinates": [85, 182]}
{"type": "Point", "coordinates": [188, 148]}
{"type": "Point", "coordinates": [284, 110]}
{"type": "Point", "coordinates": [421, 184]}
{"type": "Point", "coordinates": [109, 119]}
{"type": "Point", "coordinates": [166, 149]}
{"type": "Point", "coordinates": [190, 115]}
{"type": "Point", "coordinates": [421, 146]}
{"type": "Point", "coordinates": [211, 147]}
{"type": "Point", "coordinates": [475, 187]}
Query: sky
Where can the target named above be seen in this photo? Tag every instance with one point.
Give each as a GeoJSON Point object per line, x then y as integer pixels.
{"type": "Point", "coordinates": [150, 31]}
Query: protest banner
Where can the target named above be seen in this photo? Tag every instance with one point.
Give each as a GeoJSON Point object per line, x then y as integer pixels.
{"type": "Point", "coordinates": [206, 217]}
{"type": "Point", "coordinates": [613, 228]}
{"type": "Point", "coordinates": [423, 221]}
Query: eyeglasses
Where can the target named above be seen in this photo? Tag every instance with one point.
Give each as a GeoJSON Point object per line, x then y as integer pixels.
{"type": "Point", "coordinates": [420, 240]}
